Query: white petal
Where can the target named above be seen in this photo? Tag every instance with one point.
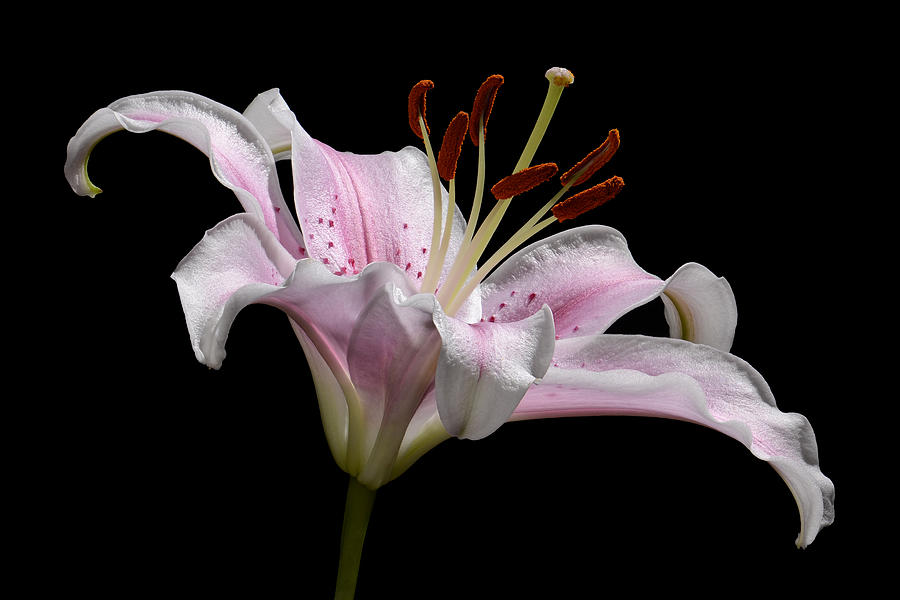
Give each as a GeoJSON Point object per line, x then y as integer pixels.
{"type": "Point", "coordinates": [236, 262]}
{"type": "Point", "coordinates": [486, 368]}
{"type": "Point", "coordinates": [700, 307]}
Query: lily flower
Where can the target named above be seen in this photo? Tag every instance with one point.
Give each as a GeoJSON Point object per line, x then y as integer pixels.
{"type": "Point", "coordinates": [409, 340]}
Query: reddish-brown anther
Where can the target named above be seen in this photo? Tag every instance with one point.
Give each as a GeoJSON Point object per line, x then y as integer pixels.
{"type": "Point", "coordinates": [451, 146]}
{"type": "Point", "coordinates": [524, 180]}
{"type": "Point", "coordinates": [484, 102]}
{"type": "Point", "coordinates": [416, 106]}
{"type": "Point", "coordinates": [593, 161]}
{"type": "Point", "coordinates": [589, 199]}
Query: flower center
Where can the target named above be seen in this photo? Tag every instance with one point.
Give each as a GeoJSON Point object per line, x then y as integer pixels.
{"type": "Point", "coordinates": [460, 281]}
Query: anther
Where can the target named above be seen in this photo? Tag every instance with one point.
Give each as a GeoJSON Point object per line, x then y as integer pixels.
{"type": "Point", "coordinates": [560, 76]}
{"type": "Point", "coordinates": [451, 146]}
{"type": "Point", "coordinates": [484, 102]}
{"type": "Point", "coordinates": [592, 163]}
{"type": "Point", "coordinates": [524, 180]}
{"type": "Point", "coordinates": [589, 199]}
{"type": "Point", "coordinates": [416, 106]}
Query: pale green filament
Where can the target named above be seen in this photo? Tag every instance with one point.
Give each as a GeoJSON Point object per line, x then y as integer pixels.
{"type": "Point", "coordinates": [436, 260]}
{"type": "Point", "coordinates": [436, 223]}
{"type": "Point", "coordinates": [479, 187]}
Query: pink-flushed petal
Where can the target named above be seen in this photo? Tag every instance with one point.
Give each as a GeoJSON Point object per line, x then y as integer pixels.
{"type": "Point", "coordinates": [391, 357]}
{"type": "Point", "coordinates": [663, 377]}
{"type": "Point", "coordinates": [358, 209]}
{"type": "Point", "coordinates": [485, 369]}
{"type": "Point", "coordinates": [239, 156]}
{"type": "Point", "coordinates": [236, 262]}
{"type": "Point", "coordinates": [700, 307]}
{"type": "Point", "coordinates": [586, 275]}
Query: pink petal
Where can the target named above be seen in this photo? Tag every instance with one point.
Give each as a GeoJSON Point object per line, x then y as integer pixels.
{"type": "Point", "coordinates": [358, 209]}
{"type": "Point", "coordinates": [661, 377]}
{"type": "Point", "coordinates": [586, 276]}
{"type": "Point", "coordinates": [239, 156]}
{"type": "Point", "coordinates": [486, 368]}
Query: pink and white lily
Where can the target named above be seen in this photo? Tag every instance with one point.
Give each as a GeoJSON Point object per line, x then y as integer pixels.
{"type": "Point", "coordinates": [407, 342]}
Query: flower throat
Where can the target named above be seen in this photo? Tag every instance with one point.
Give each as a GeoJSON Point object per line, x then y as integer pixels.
{"type": "Point", "coordinates": [460, 282]}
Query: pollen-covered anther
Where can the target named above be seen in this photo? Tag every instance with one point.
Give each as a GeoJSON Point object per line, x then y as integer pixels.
{"type": "Point", "coordinates": [451, 146]}
{"type": "Point", "coordinates": [484, 102]}
{"type": "Point", "coordinates": [524, 180]}
{"type": "Point", "coordinates": [589, 199]}
{"type": "Point", "coordinates": [416, 106]}
{"type": "Point", "coordinates": [592, 163]}
{"type": "Point", "coordinates": [560, 76]}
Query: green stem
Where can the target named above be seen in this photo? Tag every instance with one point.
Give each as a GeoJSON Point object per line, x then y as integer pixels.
{"type": "Point", "coordinates": [356, 519]}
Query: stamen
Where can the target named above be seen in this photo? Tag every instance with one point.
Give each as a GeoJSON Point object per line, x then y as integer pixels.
{"type": "Point", "coordinates": [524, 180]}
{"type": "Point", "coordinates": [591, 163]}
{"type": "Point", "coordinates": [484, 102]}
{"type": "Point", "coordinates": [416, 106]}
{"type": "Point", "coordinates": [451, 145]}
{"type": "Point", "coordinates": [589, 199]}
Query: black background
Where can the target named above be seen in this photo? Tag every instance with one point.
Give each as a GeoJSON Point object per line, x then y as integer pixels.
{"type": "Point", "coordinates": [158, 476]}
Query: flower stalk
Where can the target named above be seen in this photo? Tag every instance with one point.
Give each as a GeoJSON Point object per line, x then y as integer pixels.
{"type": "Point", "coordinates": [357, 511]}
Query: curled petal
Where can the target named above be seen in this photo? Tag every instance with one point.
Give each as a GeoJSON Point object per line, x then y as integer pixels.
{"type": "Point", "coordinates": [239, 156]}
{"type": "Point", "coordinates": [486, 368]}
{"type": "Point", "coordinates": [700, 307]}
{"type": "Point", "coordinates": [236, 262]}
{"type": "Point", "coordinates": [661, 377]}
{"type": "Point", "coordinates": [586, 275]}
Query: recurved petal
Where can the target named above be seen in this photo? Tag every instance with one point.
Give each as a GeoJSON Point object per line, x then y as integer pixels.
{"type": "Point", "coordinates": [586, 275]}
{"type": "Point", "coordinates": [662, 377]}
{"type": "Point", "coordinates": [485, 369]}
{"type": "Point", "coordinates": [700, 307]}
{"type": "Point", "coordinates": [239, 156]}
{"type": "Point", "coordinates": [235, 263]}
